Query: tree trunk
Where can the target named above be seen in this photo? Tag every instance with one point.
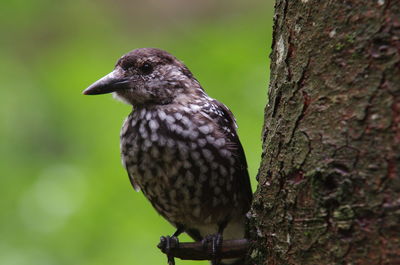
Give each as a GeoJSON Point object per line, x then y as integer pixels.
{"type": "Point", "coordinates": [329, 181]}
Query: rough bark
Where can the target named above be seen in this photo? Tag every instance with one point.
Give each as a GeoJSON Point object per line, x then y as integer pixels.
{"type": "Point", "coordinates": [329, 181]}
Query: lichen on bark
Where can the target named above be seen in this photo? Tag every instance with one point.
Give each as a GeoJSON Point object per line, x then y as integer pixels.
{"type": "Point", "coordinates": [329, 181]}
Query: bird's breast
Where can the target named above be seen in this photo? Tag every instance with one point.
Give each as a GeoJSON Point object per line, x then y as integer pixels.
{"type": "Point", "coordinates": [183, 166]}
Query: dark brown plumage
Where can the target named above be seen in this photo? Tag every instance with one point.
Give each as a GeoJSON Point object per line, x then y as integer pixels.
{"type": "Point", "coordinates": [179, 146]}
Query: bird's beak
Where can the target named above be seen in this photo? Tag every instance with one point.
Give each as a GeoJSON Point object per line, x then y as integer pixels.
{"type": "Point", "coordinates": [112, 82]}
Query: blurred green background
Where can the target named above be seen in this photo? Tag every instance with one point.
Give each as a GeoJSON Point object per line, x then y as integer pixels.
{"type": "Point", "coordinates": [65, 198]}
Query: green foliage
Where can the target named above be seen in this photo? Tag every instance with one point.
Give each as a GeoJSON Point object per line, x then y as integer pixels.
{"type": "Point", "coordinates": [65, 197]}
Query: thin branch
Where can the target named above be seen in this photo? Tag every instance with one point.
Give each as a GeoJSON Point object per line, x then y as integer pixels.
{"type": "Point", "coordinates": [197, 251]}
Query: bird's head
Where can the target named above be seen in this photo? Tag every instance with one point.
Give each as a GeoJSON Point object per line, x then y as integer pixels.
{"type": "Point", "coordinates": [147, 76]}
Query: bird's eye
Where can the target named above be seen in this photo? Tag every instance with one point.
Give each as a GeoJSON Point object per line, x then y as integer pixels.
{"type": "Point", "coordinates": [146, 68]}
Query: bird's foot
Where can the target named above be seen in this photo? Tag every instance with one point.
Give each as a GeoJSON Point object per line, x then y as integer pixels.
{"type": "Point", "coordinates": [166, 244]}
{"type": "Point", "coordinates": [213, 244]}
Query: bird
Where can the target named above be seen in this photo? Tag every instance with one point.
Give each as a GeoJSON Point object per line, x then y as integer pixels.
{"type": "Point", "coordinates": [180, 147]}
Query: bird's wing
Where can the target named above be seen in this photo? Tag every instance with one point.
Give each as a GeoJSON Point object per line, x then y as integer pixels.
{"type": "Point", "coordinates": [227, 123]}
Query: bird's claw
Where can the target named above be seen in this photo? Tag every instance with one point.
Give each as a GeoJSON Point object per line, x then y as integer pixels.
{"type": "Point", "coordinates": [213, 244]}
{"type": "Point", "coordinates": [166, 244]}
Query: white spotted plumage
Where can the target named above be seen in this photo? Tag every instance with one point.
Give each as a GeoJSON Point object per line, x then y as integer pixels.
{"type": "Point", "coordinates": [189, 140]}
{"type": "Point", "coordinates": [179, 146]}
